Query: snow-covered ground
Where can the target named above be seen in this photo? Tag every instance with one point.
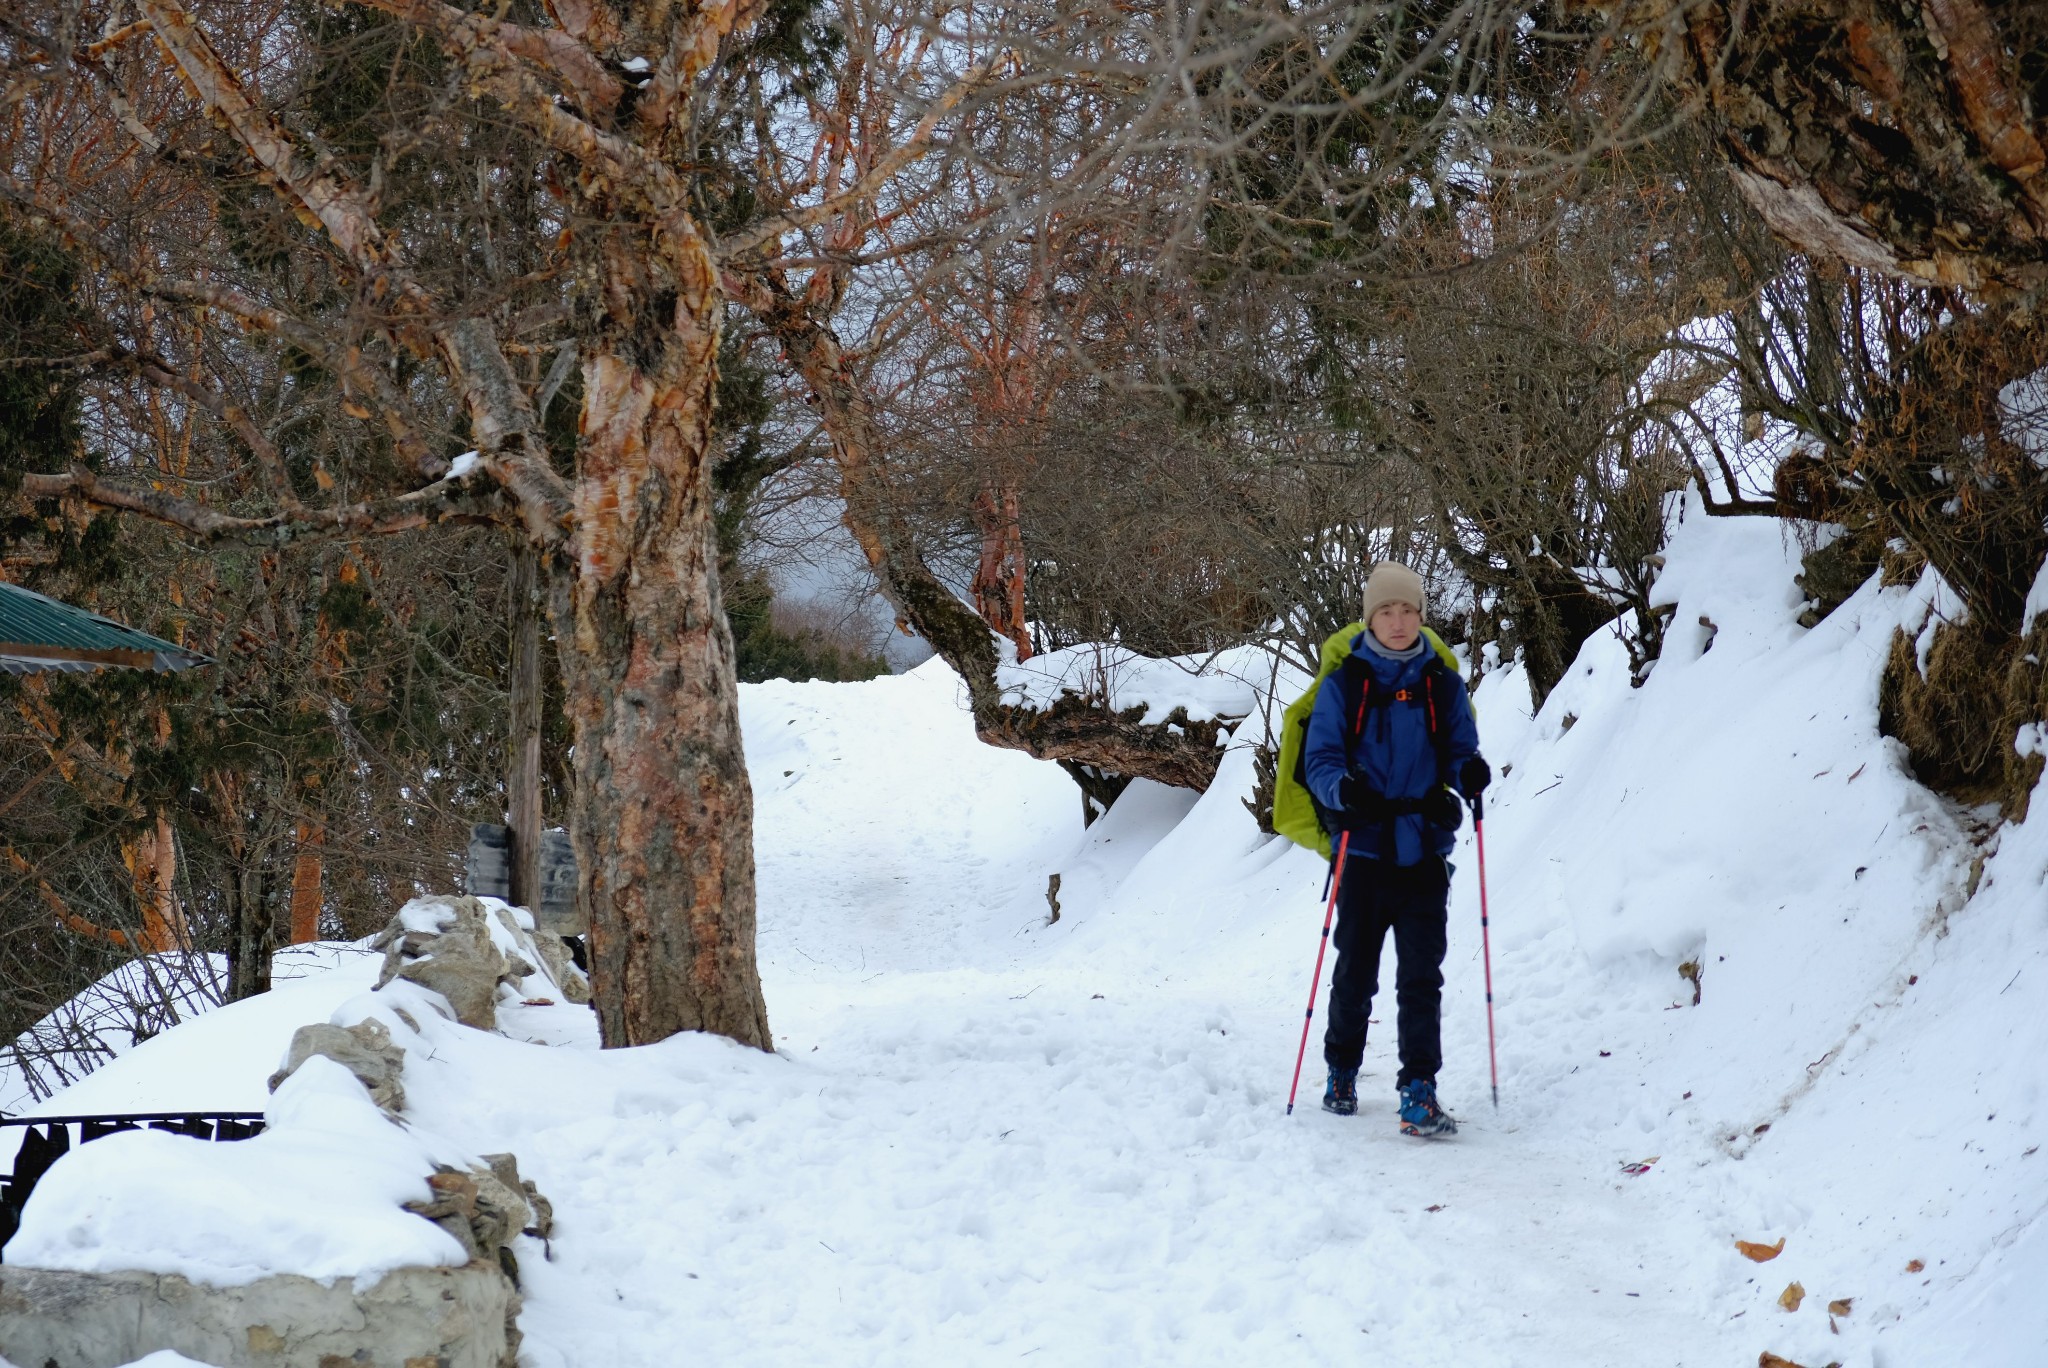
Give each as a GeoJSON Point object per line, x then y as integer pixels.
{"type": "Point", "coordinates": [986, 1137]}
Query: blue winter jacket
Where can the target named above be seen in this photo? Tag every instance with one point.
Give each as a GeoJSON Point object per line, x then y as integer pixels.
{"type": "Point", "coordinates": [1392, 752]}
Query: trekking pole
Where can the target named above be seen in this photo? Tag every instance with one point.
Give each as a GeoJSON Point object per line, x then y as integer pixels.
{"type": "Point", "coordinates": [1486, 944]}
{"type": "Point", "coordinates": [1329, 913]}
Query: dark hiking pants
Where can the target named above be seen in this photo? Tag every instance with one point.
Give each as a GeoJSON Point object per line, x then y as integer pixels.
{"type": "Point", "coordinates": [1377, 896]}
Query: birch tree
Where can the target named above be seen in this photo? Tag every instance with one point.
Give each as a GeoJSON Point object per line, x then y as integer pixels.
{"type": "Point", "coordinates": [447, 221]}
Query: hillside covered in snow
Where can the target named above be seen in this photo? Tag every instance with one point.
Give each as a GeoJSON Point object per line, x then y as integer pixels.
{"type": "Point", "coordinates": [1754, 983]}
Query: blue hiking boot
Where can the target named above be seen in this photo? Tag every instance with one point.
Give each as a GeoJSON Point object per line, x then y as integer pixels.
{"type": "Point", "coordinates": [1420, 1114]}
{"type": "Point", "coordinates": [1341, 1096]}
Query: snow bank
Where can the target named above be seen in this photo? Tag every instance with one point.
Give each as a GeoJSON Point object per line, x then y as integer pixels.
{"type": "Point", "coordinates": [320, 1193]}
{"type": "Point", "coordinates": [219, 1057]}
{"type": "Point", "coordinates": [127, 1007]}
{"type": "Point", "coordinates": [1741, 813]}
{"type": "Point", "coordinates": [1224, 685]}
{"type": "Point", "coordinates": [989, 1134]}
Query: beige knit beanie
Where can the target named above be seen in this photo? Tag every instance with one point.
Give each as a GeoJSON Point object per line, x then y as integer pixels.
{"type": "Point", "coordinates": [1392, 583]}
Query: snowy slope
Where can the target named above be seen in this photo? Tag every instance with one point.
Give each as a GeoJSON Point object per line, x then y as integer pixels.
{"type": "Point", "coordinates": [986, 1137]}
{"type": "Point", "coordinates": [141, 999]}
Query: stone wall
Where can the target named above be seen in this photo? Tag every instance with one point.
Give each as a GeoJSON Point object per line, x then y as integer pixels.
{"type": "Point", "coordinates": [410, 1318]}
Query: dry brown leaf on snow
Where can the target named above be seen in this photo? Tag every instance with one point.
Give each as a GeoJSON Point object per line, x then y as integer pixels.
{"type": "Point", "coordinates": [1840, 1306]}
{"type": "Point", "coordinates": [1916, 1266]}
{"type": "Point", "coordinates": [1762, 1253]}
{"type": "Point", "coordinates": [1792, 1296]}
{"type": "Point", "coordinates": [1767, 1359]}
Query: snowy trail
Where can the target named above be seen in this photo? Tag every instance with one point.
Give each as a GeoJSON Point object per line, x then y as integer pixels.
{"type": "Point", "coordinates": [1044, 1181]}
{"type": "Point", "coordinates": [987, 1137]}
{"type": "Point", "coordinates": [985, 1143]}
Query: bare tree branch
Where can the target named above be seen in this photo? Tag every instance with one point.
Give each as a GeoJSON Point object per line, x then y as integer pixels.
{"type": "Point", "coordinates": [456, 501]}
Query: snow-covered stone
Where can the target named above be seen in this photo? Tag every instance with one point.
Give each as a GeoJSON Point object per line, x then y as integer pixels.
{"type": "Point", "coordinates": [365, 1049]}
{"type": "Point", "coordinates": [449, 945]}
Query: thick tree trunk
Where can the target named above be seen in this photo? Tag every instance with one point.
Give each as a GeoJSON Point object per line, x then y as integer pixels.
{"type": "Point", "coordinates": [251, 936]}
{"type": "Point", "coordinates": [663, 813]}
{"type": "Point", "coordinates": [1176, 752]}
{"type": "Point", "coordinates": [1896, 137]}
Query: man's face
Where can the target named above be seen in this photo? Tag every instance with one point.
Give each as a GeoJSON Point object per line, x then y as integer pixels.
{"type": "Point", "coordinates": [1396, 625]}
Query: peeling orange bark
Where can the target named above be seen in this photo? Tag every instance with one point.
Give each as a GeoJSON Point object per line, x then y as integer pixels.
{"type": "Point", "coordinates": [307, 873]}
{"type": "Point", "coordinates": [663, 823]}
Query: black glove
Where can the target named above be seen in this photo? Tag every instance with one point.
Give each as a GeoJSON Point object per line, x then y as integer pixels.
{"type": "Point", "coordinates": [1359, 800]}
{"type": "Point", "coordinates": [1441, 808]}
{"type": "Point", "coordinates": [1474, 776]}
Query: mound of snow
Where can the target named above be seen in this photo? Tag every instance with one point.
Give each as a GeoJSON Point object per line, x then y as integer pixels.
{"type": "Point", "coordinates": [128, 1006]}
{"type": "Point", "coordinates": [1222, 685]}
{"type": "Point", "coordinates": [988, 1134]}
{"type": "Point", "coordinates": [320, 1193]}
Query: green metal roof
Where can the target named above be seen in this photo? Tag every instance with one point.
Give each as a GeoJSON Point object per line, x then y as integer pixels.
{"type": "Point", "coordinates": [38, 633]}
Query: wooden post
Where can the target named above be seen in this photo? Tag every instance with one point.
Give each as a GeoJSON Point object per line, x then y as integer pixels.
{"type": "Point", "coordinates": [522, 780]}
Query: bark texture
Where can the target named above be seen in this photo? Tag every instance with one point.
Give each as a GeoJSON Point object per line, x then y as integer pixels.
{"type": "Point", "coordinates": [1903, 138]}
{"type": "Point", "coordinates": [308, 869]}
{"type": "Point", "coordinates": [252, 938]}
{"type": "Point", "coordinates": [1077, 732]}
{"type": "Point", "coordinates": [999, 573]}
{"type": "Point", "coordinates": [663, 823]}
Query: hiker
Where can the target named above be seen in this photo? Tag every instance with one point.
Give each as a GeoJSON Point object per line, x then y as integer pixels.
{"type": "Point", "coordinates": [1390, 737]}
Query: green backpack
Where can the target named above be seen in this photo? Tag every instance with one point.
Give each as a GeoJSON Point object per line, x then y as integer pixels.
{"type": "Point", "coordinates": [1294, 811]}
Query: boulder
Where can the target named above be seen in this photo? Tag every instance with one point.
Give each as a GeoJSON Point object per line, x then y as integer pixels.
{"type": "Point", "coordinates": [445, 943]}
{"type": "Point", "coordinates": [365, 1049]}
{"type": "Point", "coordinates": [554, 955]}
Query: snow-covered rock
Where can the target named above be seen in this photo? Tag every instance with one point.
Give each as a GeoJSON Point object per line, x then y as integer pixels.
{"type": "Point", "coordinates": [365, 1049]}
{"type": "Point", "coordinates": [473, 952]}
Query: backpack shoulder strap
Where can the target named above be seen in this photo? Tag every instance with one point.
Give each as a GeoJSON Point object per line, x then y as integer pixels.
{"type": "Point", "coordinates": [1365, 698]}
{"type": "Point", "coordinates": [1435, 679]}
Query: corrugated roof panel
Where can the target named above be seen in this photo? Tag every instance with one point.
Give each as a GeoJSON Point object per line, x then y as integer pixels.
{"type": "Point", "coordinates": [39, 633]}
